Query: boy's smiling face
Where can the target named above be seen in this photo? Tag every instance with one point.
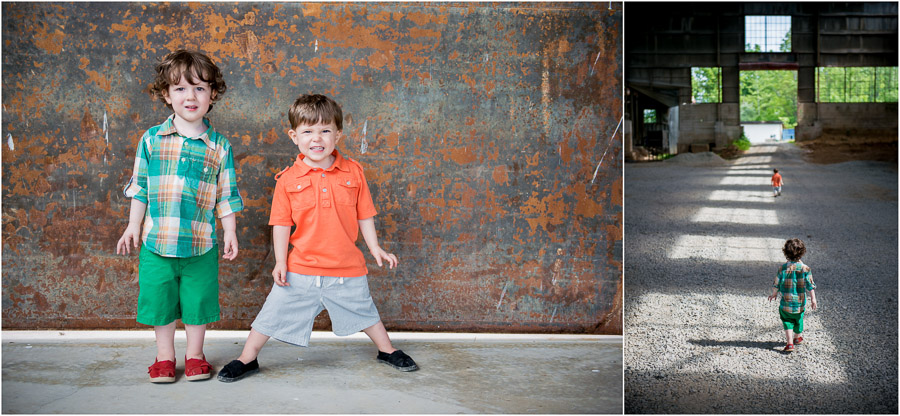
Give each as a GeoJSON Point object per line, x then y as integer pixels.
{"type": "Point", "coordinates": [316, 142]}
{"type": "Point", "coordinates": [190, 101]}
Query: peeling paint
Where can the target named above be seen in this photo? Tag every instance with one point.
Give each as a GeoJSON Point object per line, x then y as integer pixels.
{"type": "Point", "coordinates": [363, 142]}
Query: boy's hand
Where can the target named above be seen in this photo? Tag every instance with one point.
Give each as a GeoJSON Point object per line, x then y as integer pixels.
{"type": "Point", "coordinates": [231, 246]}
{"type": "Point", "coordinates": [772, 297]}
{"type": "Point", "coordinates": [380, 254]}
{"type": "Point", "coordinates": [131, 236]}
{"type": "Point", "coordinates": [813, 304]}
{"type": "Point", "coordinates": [280, 274]}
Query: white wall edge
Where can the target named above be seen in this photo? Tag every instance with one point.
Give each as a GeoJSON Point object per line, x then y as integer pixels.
{"type": "Point", "coordinates": [78, 335]}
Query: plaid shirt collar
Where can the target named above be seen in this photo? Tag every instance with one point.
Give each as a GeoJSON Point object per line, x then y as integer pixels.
{"type": "Point", "coordinates": [168, 129]}
{"type": "Point", "coordinates": [339, 163]}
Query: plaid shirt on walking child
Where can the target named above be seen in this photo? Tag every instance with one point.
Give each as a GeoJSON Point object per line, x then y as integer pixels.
{"type": "Point", "coordinates": [794, 279]}
{"type": "Point", "coordinates": [183, 181]}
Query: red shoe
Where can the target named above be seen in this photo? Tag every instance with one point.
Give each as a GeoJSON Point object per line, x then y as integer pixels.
{"type": "Point", "coordinates": [196, 369]}
{"type": "Point", "coordinates": [789, 348]}
{"type": "Point", "coordinates": [798, 340]}
{"type": "Point", "coordinates": [162, 371]}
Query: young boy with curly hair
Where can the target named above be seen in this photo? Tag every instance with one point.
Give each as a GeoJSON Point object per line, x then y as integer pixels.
{"type": "Point", "coordinates": [183, 179]}
{"type": "Point", "coordinates": [326, 198]}
{"type": "Point", "coordinates": [794, 280]}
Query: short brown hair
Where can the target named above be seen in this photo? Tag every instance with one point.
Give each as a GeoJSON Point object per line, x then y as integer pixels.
{"type": "Point", "coordinates": [187, 64]}
{"type": "Point", "coordinates": [315, 108]}
{"type": "Point", "coordinates": [794, 249]}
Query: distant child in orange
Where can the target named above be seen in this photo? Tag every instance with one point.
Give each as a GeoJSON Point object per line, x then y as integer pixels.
{"type": "Point", "coordinates": [776, 183]}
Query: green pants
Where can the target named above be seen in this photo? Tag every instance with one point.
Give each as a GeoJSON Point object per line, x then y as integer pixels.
{"type": "Point", "coordinates": [792, 321]}
{"type": "Point", "coordinates": [178, 288]}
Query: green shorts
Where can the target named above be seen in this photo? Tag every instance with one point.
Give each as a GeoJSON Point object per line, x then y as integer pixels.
{"type": "Point", "coordinates": [178, 288]}
{"type": "Point", "coordinates": [792, 321]}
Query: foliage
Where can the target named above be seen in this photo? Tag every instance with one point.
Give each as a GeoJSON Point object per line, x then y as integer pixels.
{"type": "Point", "coordinates": [769, 96]}
{"type": "Point", "coordinates": [706, 85]}
{"type": "Point", "coordinates": [785, 43]}
{"type": "Point", "coordinates": [856, 84]}
{"type": "Point", "coordinates": [743, 143]}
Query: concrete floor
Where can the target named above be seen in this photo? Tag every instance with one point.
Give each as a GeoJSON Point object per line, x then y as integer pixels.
{"type": "Point", "coordinates": [106, 372]}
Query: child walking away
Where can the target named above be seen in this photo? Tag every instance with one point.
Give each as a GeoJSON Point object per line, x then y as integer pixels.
{"type": "Point", "coordinates": [794, 280]}
{"type": "Point", "coordinates": [183, 179]}
{"type": "Point", "coordinates": [327, 198]}
{"type": "Point", "coordinates": [776, 183]}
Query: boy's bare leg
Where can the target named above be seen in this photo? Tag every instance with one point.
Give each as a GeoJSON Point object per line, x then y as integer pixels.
{"type": "Point", "coordinates": [165, 342]}
{"type": "Point", "coordinates": [378, 334]}
{"type": "Point", "coordinates": [789, 334]}
{"type": "Point", "coordinates": [254, 344]}
{"type": "Point", "coordinates": [196, 334]}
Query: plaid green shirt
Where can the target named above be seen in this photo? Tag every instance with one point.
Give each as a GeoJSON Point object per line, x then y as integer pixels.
{"type": "Point", "coordinates": [183, 181]}
{"type": "Point", "coordinates": [793, 280]}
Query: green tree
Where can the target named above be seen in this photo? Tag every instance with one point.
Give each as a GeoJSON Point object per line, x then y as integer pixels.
{"type": "Point", "coordinates": [769, 96]}
{"type": "Point", "coordinates": [706, 85]}
{"type": "Point", "coordinates": [856, 84]}
{"type": "Point", "coordinates": [786, 43]}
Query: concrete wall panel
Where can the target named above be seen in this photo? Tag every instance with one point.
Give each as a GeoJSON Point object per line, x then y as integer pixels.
{"type": "Point", "coordinates": [486, 132]}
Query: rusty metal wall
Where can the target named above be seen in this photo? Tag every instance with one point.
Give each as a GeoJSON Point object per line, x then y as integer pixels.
{"type": "Point", "coordinates": [486, 132]}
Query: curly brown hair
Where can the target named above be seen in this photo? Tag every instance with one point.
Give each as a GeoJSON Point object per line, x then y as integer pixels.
{"type": "Point", "coordinates": [315, 108]}
{"type": "Point", "coordinates": [794, 249]}
{"type": "Point", "coordinates": [190, 65]}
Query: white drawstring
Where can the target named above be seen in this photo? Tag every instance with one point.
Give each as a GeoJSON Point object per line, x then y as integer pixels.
{"type": "Point", "coordinates": [319, 281]}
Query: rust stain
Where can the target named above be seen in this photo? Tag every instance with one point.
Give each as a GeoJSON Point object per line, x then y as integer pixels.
{"type": "Point", "coordinates": [102, 81]}
{"type": "Point", "coordinates": [500, 175]}
{"type": "Point", "coordinates": [49, 39]}
{"type": "Point", "coordinates": [248, 44]}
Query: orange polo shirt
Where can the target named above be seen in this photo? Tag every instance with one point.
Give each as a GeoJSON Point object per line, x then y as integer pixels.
{"type": "Point", "coordinates": [776, 179]}
{"type": "Point", "coordinates": [325, 206]}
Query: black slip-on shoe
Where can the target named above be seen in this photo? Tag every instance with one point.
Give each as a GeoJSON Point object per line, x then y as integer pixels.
{"type": "Point", "coordinates": [237, 370]}
{"type": "Point", "coordinates": [398, 360]}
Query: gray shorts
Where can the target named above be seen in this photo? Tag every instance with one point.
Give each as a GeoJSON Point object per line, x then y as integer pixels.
{"type": "Point", "coordinates": [290, 311]}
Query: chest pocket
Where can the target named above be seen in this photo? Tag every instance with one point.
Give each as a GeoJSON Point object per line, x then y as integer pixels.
{"type": "Point", "coordinates": [200, 175]}
{"type": "Point", "coordinates": [199, 168]}
{"type": "Point", "coordinates": [301, 193]}
{"type": "Point", "coordinates": [346, 190]}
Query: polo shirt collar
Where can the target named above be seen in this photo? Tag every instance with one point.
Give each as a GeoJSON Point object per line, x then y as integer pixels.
{"type": "Point", "coordinates": [339, 163]}
{"type": "Point", "coordinates": [168, 128]}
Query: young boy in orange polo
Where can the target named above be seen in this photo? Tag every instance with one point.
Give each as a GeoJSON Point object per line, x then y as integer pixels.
{"type": "Point", "coordinates": [327, 199]}
{"type": "Point", "coordinates": [777, 181]}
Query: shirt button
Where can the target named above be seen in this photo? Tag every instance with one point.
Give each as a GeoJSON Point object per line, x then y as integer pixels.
{"type": "Point", "coordinates": [348, 182]}
{"type": "Point", "coordinates": [182, 159]}
{"type": "Point", "coordinates": [323, 175]}
{"type": "Point", "coordinates": [299, 186]}
{"type": "Point", "coordinates": [207, 169]}
{"type": "Point", "coordinates": [324, 189]}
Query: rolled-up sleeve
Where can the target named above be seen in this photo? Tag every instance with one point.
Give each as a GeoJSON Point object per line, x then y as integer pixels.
{"type": "Point", "coordinates": [137, 185]}
{"type": "Point", "coordinates": [228, 198]}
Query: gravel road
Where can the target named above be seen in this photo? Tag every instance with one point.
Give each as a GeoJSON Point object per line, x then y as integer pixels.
{"type": "Point", "coordinates": [703, 241]}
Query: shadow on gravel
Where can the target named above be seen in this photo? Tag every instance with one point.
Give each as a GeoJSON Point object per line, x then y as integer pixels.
{"type": "Point", "coordinates": [764, 345]}
{"type": "Point", "coordinates": [702, 245]}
